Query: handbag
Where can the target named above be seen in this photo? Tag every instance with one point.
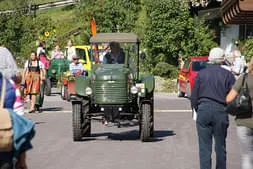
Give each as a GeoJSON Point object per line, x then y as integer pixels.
{"type": "Point", "coordinates": [241, 105]}
{"type": "Point", "coordinates": [6, 132]}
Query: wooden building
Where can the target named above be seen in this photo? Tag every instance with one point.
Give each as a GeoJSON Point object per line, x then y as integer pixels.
{"type": "Point", "coordinates": [237, 11]}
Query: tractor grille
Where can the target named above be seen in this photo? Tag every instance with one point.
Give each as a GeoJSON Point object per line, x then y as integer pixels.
{"type": "Point", "coordinates": [111, 92]}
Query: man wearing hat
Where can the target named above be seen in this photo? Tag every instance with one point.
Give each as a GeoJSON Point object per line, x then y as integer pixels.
{"type": "Point", "coordinates": [211, 86]}
{"type": "Point", "coordinates": [76, 68]}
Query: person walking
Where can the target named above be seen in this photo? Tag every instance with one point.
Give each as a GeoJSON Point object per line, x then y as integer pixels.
{"type": "Point", "coordinates": [41, 48]}
{"type": "Point", "coordinates": [209, 91]}
{"type": "Point", "coordinates": [9, 69]}
{"type": "Point", "coordinates": [23, 131]}
{"type": "Point", "coordinates": [238, 64]}
{"type": "Point", "coordinates": [33, 75]}
{"type": "Point", "coordinates": [244, 132]}
{"type": "Point", "coordinates": [70, 51]}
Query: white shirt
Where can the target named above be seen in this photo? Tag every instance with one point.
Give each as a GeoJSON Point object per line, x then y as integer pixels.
{"type": "Point", "coordinates": [40, 50]}
{"type": "Point", "coordinates": [74, 68]}
{"type": "Point", "coordinates": [41, 65]}
{"type": "Point", "coordinates": [238, 65]}
{"type": "Point", "coordinates": [70, 52]}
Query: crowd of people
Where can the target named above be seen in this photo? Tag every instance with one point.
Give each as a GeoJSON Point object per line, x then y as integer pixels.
{"type": "Point", "coordinates": [29, 84]}
{"type": "Point", "coordinates": [215, 87]}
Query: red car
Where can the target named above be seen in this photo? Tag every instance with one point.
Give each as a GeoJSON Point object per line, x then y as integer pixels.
{"type": "Point", "coordinates": [187, 74]}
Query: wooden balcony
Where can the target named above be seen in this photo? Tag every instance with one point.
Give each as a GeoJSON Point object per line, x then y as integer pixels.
{"type": "Point", "coordinates": [237, 11]}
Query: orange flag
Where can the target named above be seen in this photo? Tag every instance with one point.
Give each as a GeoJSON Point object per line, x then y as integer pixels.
{"type": "Point", "coordinates": [93, 27]}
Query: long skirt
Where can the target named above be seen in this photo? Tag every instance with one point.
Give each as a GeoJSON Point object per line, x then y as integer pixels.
{"type": "Point", "coordinates": [33, 83]}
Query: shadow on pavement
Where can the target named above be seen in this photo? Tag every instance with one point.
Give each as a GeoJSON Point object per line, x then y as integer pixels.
{"type": "Point", "coordinates": [164, 133]}
{"type": "Point", "coordinates": [40, 122]}
{"type": "Point", "coordinates": [55, 94]}
{"type": "Point", "coordinates": [52, 109]}
{"type": "Point", "coordinates": [129, 136]}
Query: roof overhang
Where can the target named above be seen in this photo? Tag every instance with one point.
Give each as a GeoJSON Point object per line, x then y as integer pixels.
{"type": "Point", "coordinates": [237, 11]}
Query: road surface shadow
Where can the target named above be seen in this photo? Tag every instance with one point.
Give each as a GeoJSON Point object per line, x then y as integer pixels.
{"type": "Point", "coordinates": [55, 94]}
{"type": "Point", "coordinates": [51, 109]}
{"type": "Point", "coordinates": [131, 135]}
{"type": "Point", "coordinates": [39, 122]}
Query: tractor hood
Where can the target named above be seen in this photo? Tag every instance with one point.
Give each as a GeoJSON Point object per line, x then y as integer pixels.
{"type": "Point", "coordinates": [111, 73]}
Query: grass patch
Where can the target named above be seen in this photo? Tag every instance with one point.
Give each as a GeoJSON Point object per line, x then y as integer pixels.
{"type": "Point", "coordinates": [165, 85]}
{"type": "Point", "coordinates": [59, 14]}
{"type": "Point", "coordinates": [64, 17]}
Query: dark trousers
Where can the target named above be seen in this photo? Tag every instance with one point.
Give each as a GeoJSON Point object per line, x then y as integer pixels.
{"type": "Point", "coordinates": [212, 121]}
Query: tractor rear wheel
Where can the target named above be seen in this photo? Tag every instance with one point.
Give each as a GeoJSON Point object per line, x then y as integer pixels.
{"type": "Point", "coordinates": [77, 121]}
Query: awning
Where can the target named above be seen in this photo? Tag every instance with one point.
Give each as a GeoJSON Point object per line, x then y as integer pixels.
{"type": "Point", "coordinates": [237, 11]}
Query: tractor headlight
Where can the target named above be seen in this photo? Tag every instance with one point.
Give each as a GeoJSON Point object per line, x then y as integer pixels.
{"type": "Point", "coordinates": [53, 71]}
{"type": "Point", "coordinates": [134, 89]}
{"type": "Point", "coordinates": [88, 91]}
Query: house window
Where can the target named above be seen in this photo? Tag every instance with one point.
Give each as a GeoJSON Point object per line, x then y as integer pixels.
{"type": "Point", "coordinates": [245, 31]}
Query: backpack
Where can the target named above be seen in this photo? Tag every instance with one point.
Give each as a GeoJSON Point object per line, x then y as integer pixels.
{"type": "Point", "coordinates": [6, 132]}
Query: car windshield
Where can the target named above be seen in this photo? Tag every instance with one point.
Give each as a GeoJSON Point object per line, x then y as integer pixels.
{"type": "Point", "coordinates": [197, 65]}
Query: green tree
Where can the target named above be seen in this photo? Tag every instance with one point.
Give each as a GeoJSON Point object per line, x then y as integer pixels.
{"type": "Point", "coordinates": [169, 30]}
{"type": "Point", "coordinates": [20, 32]}
{"type": "Point", "coordinates": [110, 15]}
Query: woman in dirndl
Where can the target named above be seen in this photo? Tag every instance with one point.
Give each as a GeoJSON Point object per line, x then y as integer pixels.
{"type": "Point", "coordinates": [33, 75]}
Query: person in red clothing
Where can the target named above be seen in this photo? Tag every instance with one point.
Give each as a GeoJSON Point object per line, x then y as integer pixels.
{"type": "Point", "coordinates": [44, 60]}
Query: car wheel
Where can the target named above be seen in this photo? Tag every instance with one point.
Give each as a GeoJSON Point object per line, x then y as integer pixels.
{"type": "Point", "coordinates": [188, 90]}
{"type": "Point", "coordinates": [179, 92]}
{"type": "Point", "coordinates": [146, 122]}
{"type": "Point", "coordinates": [77, 121]}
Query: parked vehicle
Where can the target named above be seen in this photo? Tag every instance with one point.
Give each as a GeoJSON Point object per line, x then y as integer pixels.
{"type": "Point", "coordinates": [54, 72]}
{"type": "Point", "coordinates": [67, 87]}
{"type": "Point", "coordinates": [187, 74]}
{"type": "Point", "coordinates": [114, 93]}
{"type": "Point", "coordinates": [83, 52]}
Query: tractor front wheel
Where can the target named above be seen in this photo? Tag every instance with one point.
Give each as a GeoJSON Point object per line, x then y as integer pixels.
{"type": "Point", "coordinates": [146, 122]}
{"type": "Point", "coordinates": [77, 121]}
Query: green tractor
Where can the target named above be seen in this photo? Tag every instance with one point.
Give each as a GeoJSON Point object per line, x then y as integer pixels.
{"type": "Point", "coordinates": [56, 69]}
{"type": "Point", "coordinates": [115, 92]}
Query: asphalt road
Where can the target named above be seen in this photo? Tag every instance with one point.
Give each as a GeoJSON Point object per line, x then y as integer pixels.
{"type": "Point", "coordinates": [174, 145]}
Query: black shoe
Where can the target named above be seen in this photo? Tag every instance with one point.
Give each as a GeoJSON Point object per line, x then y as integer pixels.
{"type": "Point", "coordinates": [31, 111]}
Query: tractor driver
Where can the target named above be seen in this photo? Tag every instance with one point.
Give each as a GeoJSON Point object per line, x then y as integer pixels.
{"type": "Point", "coordinates": [76, 68]}
{"type": "Point", "coordinates": [116, 56]}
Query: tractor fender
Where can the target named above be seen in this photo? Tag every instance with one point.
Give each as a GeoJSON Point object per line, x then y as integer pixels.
{"type": "Point", "coordinates": [149, 82]}
{"type": "Point", "coordinates": [81, 83]}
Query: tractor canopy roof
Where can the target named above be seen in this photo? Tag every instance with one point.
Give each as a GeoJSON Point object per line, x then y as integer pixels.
{"type": "Point", "coordinates": [117, 37]}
